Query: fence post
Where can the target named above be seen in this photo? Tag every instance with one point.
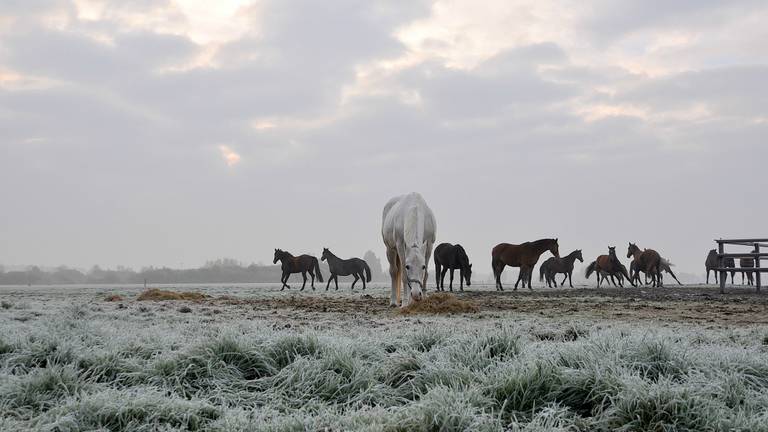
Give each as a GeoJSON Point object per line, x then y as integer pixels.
{"type": "Point", "coordinates": [757, 266]}
{"type": "Point", "coordinates": [721, 264]}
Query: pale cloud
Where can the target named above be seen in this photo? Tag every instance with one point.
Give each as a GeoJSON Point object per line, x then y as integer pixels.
{"type": "Point", "coordinates": [230, 157]}
{"type": "Point", "coordinates": [592, 113]}
{"type": "Point", "coordinates": [465, 33]}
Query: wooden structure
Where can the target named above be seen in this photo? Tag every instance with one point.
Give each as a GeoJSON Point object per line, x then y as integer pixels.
{"type": "Point", "coordinates": [755, 244]}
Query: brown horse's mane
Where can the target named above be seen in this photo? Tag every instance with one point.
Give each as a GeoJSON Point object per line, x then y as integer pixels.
{"type": "Point", "coordinates": [540, 242]}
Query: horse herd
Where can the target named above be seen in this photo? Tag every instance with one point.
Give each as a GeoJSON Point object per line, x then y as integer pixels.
{"type": "Point", "coordinates": [409, 231]}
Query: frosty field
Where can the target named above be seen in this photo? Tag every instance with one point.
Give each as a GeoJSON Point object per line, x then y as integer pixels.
{"type": "Point", "coordinates": [249, 357]}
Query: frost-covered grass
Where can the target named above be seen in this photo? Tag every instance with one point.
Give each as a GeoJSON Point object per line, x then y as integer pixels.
{"type": "Point", "coordinates": [84, 368]}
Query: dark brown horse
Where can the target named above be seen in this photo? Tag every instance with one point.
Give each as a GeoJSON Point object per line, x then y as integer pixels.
{"type": "Point", "coordinates": [608, 265]}
{"type": "Point", "coordinates": [344, 267]}
{"type": "Point", "coordinates": [666, 266]}
{"type": "Point", "coordinates": [551, 267]}
{"type": "Point", "coordinates": [524, 256]}
{"type": "Point", "coordinates": [648, 262]}
{"type": "Point", "coordinates": [301, 264]}
{"type": "Point", "coordinates": [616, 278]}
{"type": "Point", "coordinates": [452, 257]}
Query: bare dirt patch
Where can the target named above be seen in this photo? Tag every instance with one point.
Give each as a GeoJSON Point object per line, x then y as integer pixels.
{"type": "Point", "coordinates": [699, 304]}
{"type": "Point", "coordinates": [440, 303]}
{"type": "Point", "coordinates": [114, 298]}
{"type": "Point", "coordinates": [155, 294]}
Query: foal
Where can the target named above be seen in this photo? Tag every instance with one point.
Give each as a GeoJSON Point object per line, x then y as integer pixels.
{"type": "Point", "coordinates": [341, 267]}
{"type": "Point", "coordinates": [551, 267]}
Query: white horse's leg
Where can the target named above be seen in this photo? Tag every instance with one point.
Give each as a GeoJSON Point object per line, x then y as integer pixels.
{"type": "Point", "coordinates": [394, 274]}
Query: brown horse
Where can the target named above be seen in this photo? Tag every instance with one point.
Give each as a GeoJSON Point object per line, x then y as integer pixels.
{"type": "Point", "coordinates": [747, 263]}
{"type": "Point", "coordinates": [608, 265]}
{"type": "Point", "coordinates": [524, 256]}
{"type": "Point", "coordinates": [666, 266]}
{"type": "Point", "coordinates": [300, 264]}
{"type": "Point", "coordinates": [648, 262]}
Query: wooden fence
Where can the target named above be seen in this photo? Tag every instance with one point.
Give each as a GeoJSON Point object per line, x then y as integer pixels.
{"type": "Point", "coordinates": [755, 244]}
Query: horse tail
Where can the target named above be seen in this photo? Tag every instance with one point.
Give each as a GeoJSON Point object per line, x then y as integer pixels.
{"type": "Point", "coordinates": [317, 269]}
{"type": "Point", "coordinates": [367, 272]}
{"type": "Point", "coordinates": [541, 273]}
{"type": "Point", "coordinates": [590, 269]}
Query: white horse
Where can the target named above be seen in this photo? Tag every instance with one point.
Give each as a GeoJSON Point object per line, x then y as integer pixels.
{"type": "Point", "coordinates": [408, 228]}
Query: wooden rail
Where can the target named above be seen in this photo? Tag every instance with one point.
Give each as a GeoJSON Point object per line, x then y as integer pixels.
{"type": "Point", "coordinates": [742, 269]}
{"type": "Point", "coordinates": [756, 244]}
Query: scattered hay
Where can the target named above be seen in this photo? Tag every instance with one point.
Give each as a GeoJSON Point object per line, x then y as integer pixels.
{"type": "Point", "coordinates": [155, 294]}
{"type": "Point", "coordinates": [114, 298]}
{"type": "Point", "coordinates": [440, 303]}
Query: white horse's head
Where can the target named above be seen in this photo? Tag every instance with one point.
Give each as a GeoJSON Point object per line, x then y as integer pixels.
{"type": "Point", "coordinates": [415, 270]}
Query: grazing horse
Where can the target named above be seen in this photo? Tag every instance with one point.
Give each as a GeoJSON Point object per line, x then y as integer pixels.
{"type": "Point", "coordinates": [452, 257]}
{"type": "Point", "coordinates": [408, 228]}
{"type": "Point", "coordinates": [712, 263]}
{"type": "Point", "coordinates": [608, 265]}
{"type": "Point", "coordinates": [524, 256]}
{"type": "Point", "coordinates": [300, 264]}
{"type": "Point", "coordinates": [345, 267]}
{"type": "Point", "coordinates": [648, 262]}
{"type": "Point", "coordinates": [551, 267]}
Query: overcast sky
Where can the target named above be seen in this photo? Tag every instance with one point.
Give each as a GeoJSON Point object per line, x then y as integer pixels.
{"type": "Point", "coordinates": [161, 133]}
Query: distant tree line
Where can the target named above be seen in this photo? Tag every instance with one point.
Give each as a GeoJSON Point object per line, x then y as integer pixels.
{"type": "Point", "coordinates": [224, 270]}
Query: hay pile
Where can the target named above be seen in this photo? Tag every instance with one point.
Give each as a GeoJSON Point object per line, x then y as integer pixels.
{"type": "Point", "coordinates": [155, 294]}
{"type": "Point", "coordinates": [440, 303]}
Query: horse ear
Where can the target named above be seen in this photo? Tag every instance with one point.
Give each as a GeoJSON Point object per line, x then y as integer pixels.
{"type": "Point", "coordinates": [555, 240]}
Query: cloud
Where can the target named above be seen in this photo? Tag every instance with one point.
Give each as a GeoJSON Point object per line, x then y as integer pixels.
{"type": "Point", "coordinates": [230, 157]}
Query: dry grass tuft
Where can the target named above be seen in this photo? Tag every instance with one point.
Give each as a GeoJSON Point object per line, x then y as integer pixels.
{"type": "Point", "coordinates": [440, 303]}
{"type": "Point", "coordinates": [114, 298]}
{"type": "Point", "coordinates": [155, 294]}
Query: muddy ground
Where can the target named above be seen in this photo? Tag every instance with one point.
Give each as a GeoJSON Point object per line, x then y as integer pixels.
{"type": "Point", "coordinates": [683, 304]}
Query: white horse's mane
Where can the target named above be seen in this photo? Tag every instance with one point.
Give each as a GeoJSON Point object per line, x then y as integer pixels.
{"type": "Point", "coordinates": [413, 230]}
